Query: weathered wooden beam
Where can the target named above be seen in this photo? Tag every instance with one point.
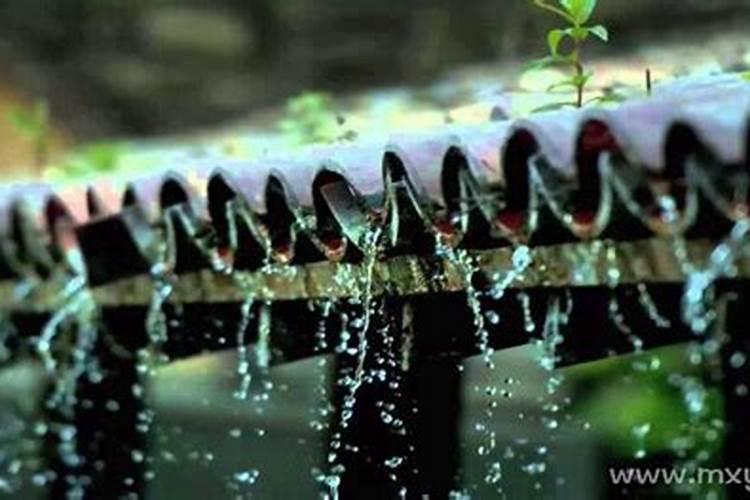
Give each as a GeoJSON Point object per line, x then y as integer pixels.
{"type": "Point", "coordinates": [584, 264]}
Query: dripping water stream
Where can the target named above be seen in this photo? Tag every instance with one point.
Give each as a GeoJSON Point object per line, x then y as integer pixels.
{"type": "Point", "coordinates": [371, 248]}
{"type": "Point", "coordinates": [464, 263]}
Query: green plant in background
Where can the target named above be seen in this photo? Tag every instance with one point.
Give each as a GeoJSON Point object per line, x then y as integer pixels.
{"type": "Point", "coordinates": [666, 406]}
{"type": "Point", "coordinates": [577, 13]}
{"type": "Point", "coordinates": [88, 160]}
{"type": "Point", "coordinates": [34, 123]}
{"type": "Point", "coordinates": [310, 119]}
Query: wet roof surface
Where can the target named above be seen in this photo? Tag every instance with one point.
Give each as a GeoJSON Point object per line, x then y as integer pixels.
{"type": "Point", "coordinates": [551, 177]}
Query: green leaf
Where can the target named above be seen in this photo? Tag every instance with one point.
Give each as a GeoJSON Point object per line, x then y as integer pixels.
{"type": "Point", "coordinates": [554, 37]}
{"type": "Point", "coordinates": [553, 107]}
{"type": "Point", "coordinates": [561, 85]}
{"type": "Point", "coordinates": [607, 98]}
{"type": "Point", "coordinates": [600, 32]}
{"type": "Point", "coordinates": [580, 10]}
{"type": "Point", "coordinates": [546, 62]}
{"type": "Point", "coordinates": [542, 4]}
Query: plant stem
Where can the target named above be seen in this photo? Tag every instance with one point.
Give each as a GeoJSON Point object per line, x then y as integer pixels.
{"type": "Point", "coordinates": [579, 86]}
{"type": "Point", "coordinates": [579, 81]}
{"type": "Point", "coordinates": [41, 150]}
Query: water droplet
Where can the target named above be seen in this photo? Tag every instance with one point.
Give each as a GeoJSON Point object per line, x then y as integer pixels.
{"type": "Point", "coordinates": [249, 476]}
{"type": "Point", "coordinates": [737, 360]}
{"type": "Point", "coordinates": [492, 317]}
{"type": "Point", "coordinates": [534, 468]}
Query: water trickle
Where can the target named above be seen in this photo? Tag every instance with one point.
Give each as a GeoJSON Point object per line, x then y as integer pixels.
{"type": "Point", "coordinates": [263, 348]}
{"type": "Point", "coordinates": [695, 399]}
{"type": "Point", "coordinates": [615, 313]}
{"type": "Point", "coordinates": [332, 484]}
{"type": "Point", "coordinates": [698, 307]}
{"type": "Point", "coordinates": [671, 215]}
{"type": "Point", "coordinates": [321, 411]}
{"type": "Point", "coordinates": [156, 319]}
{"type": "Point", "coordinates": [321, 340]}
{"type": "Point", "coordinates": [74, 297]}
{"type": "Point", "coordinates": [648, 304]}
{"type": "Point", "coordinates": [243, 362]}
{"type": "Point", "coordinates": [408, 337]}
{"type": "Point", "coordinates": [263, 355]}
{"type": "Point", "coordinates": [521, 260]}
{"type": "Point", "coordinates": [528, 320]}
{"type": "Point", "coordinates": [76, 321]}
{"type": "Point", "coordinates": [361, 324]}
{"type": "Point", "coordinates": [465, 265]}
{"type": "Point", "coordinates": [551, 336]}
{"type": "Point", "coordinates": [362, 300]}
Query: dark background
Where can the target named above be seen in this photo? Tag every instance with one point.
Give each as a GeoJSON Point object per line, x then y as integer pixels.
{"type": "Point", "coordinates": [142, 67]}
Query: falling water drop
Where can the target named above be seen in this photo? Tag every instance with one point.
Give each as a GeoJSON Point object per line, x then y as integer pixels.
{"type": "Point", "coordinates": [737, 360]}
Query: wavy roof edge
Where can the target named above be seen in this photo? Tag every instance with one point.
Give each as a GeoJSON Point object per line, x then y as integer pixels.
{"type": "Point", "coordinates": [707, 117]}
